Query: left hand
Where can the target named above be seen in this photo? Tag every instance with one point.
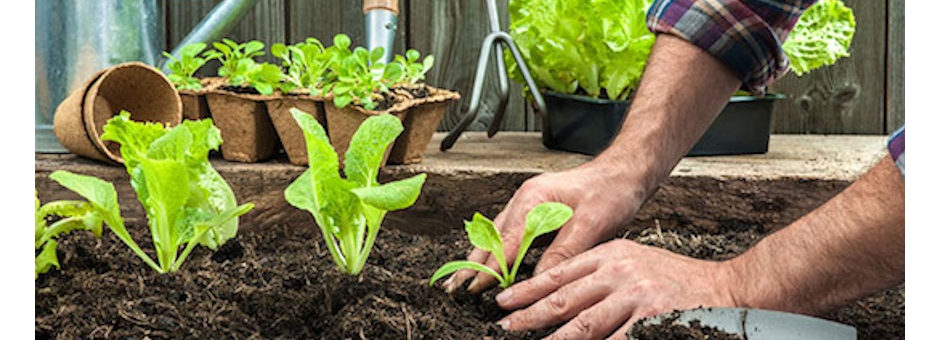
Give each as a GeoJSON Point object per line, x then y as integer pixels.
{"type": "Point", "coordinates": [609, 288]}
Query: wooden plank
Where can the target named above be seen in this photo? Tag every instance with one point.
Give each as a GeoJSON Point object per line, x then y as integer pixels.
{"type": "Point", "coordinates": [265, 22]}
{"type": "Point", "coordinates": [895, 86]}
{"type": "Point", "coordinates": [848, 97]}
{"type": "Point", "coordinates": [453, 31]}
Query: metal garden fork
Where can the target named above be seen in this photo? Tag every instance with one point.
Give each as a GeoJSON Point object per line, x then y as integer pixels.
{"type": "Point", "coordinates": [496, 39]}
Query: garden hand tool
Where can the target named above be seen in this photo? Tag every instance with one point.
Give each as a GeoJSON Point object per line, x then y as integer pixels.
{"type": "Point", "coordinates": [496, 38]}
{"type": "Point", "coordinates": [381, 23]}
{"type": "Point", "coordinates": [759, 324]}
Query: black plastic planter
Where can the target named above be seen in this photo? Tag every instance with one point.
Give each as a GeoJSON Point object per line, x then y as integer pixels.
{"type": "Point", "coordinates": [587, 125]}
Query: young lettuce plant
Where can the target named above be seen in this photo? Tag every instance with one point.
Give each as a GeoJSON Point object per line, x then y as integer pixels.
{"type": "Point", "coordinates": [306, 63]}
{"type": "Point", "coordinates": [182, 69]}
{"type": "Point", "coordinates": [263, 77]}
{"type": "Point", "coordinates": [412, 69]}
{"type": "Point", "coordinates": [544, 218]}
{"type": "Point", "coordinates": [821, 36]}
{"type": "Point", "coordinates": [230, 54]}
{"type": "Point", "coordinates": [74, 215]}
{"type": "Point", "coordinates": [187, 202]}
{"type": "Point", "coordinates": [360, 78]}
{"type": "Point", "coordinates": [349, 211]}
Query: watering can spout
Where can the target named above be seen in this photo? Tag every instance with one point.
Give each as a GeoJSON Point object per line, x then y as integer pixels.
{"type": "Point", "coordinates": [221, 20]}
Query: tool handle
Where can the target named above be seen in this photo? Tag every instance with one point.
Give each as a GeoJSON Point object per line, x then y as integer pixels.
{"type": "Point", "coordinates": [390, 5]}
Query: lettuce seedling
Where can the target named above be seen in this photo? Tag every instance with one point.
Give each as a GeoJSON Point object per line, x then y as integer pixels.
{"type": "Point", "coordinates": [821, 36]}
{"type": "Point", "coordinates": [306, 63]}
{"type": "Point", "coordinates": [349, 211]}
{"type": "Point", "coordinates": [230, 54]}
{"type": "Point", "coordinates": [187, 202]}
{"type": "Point", "coordinates": [413, 70]}
{"type": "Point", "coordinates": [73, 215]}
{"type": "Point", "coordinates": [263, 77]}
{"type": "Point", "coordinates": [544, 218]}
{"type": "Point", "coordinates": [182, 69]}
{"type": "Point", "coordinates": [356, 77]}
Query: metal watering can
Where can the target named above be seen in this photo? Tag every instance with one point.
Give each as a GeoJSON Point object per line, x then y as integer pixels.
{"type": "Point", "coordinates": [76, 38]}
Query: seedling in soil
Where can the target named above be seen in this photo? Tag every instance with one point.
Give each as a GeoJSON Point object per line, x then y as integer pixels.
{"type": "Point", "coordinates": [543, 219]}
{"type": "Point", "coordinates": [230, 54]}
{"type": "Point", "coordinates": [73, 215]}
{"type": "Point", "coordinates": [413, 70]}
{"type": "Point", "coordinates": [306, 63]}
{"type": "Point", "coordinates": [357, 77]}
{"type": "Point", "coordinates": [263, 77]}
{"type": "Point", "coordinates": [182, 69]}
{"type": "Point", "coordinates": [186, 200]}
{"type": "Point", "coordinates": [350, 210]}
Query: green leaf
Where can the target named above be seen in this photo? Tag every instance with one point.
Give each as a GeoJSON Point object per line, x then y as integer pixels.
{"type": "Point", "coordinates": [451, 267]}
{"type": "Point", "coordinates": [367, 148]}
{"type": "Point", "coordinates": [164, 204]}
{"type": "Point", "coordinates": [341, 41]}
{"type": "Point", "coordinates": [47, 259]}
{"type": "Point", "coordinates": [412, 55]}
{"type": "Point", "coordinates": [135, 137]}
{"type": "Point", "coordinates": [376, 54]}
{"type": "Point", "coordinates": [392, 196]}
{"type": "Point", "coordinates": [542, 219]}
{"type": "Point", "coordinates": [822, 35]}
{"type": "Point", "coordinates": [322, 159]}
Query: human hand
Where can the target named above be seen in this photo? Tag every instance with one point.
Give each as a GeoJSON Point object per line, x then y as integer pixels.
{"type": "Point", "coordinates": [606, 290]}
{"type": "Point", "coordinates": [601, 204]}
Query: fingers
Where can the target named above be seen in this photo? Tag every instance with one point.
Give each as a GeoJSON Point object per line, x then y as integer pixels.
{"type": "Point", "coordinates": [457, 279]}
{"type": "Point", "coordinates": [527, 292]}
{"type": "Point", "coordinates": [483, 281]}
{"type": "Point", "coordinates": [561, 305]}
{"type": "Point", "coordinates": [579, 235]}
{"type": "Point", "coordinates": [596, 322]}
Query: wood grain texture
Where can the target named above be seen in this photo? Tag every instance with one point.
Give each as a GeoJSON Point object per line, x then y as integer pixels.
{"type": "Point", "coordinates": [453, 31]}
{"type": "Point", "coordinates": [847, 97]}
{"type": "Point", "coordinates": [265, 22]}
{"type": "Point", "coordinates": [895, 68]}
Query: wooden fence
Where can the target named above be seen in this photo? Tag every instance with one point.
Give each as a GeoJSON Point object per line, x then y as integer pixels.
{"type": "Point", "coordinates": [863, 94]}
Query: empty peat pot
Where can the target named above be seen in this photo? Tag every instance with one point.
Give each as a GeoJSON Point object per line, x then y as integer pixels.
{"type": "Point", "coordinates": [588, 125]}
{"type": "Point", "coordinates": [135, 87]}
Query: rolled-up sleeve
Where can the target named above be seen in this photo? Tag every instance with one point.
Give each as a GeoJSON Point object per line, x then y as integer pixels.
{"type": "Point", "coordinates": [896, 148]}
{"type": "Point", "coordinates": [745, 35]}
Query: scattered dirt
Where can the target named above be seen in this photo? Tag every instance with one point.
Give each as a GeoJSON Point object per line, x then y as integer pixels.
{"type": "Point", "coordinates": [279, 282]}
{"type": "Point", "coordinates": [670, 330]}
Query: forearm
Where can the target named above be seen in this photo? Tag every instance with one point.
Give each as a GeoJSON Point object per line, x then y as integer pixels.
{"type": "Point", "coordinates": [683, 89]}
{"type": "Point", "coordinates": [850, 247]}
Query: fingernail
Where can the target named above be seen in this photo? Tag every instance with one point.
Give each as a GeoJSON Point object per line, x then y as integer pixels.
{"type": "Point", "coordinates": [504, 297]}
{"type": "Point", "coordinates": [504, 324]}
{"type": "Point", "coordinates": [473, 285]}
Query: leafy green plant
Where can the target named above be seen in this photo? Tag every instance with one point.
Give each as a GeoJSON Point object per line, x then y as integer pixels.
{"type": "Point", "coordinates": [187, 202]}
{"type": "Point", "coordinates": [413, 70]}
{"type": "Point", "coordinates": [593, 47]}
{"type": "Point", "coordinates": [349, 211]}
{"type": "Point", "coordinates": [355, 76]}
{"type": "Point", "coordinates": [544, 218]}
{"type": "Point", "coordinates": [182, 69]}
{"type": "Point", "coordinates": [231, 54]}
{"type": "Point", "coordinates": [821, 36]}
{"type": "Point", "coordinates": [306, 62]}
{"type": "Point", "coordinates": [263, 77]}
{"type": "Point", "coordinates": [73, 215]}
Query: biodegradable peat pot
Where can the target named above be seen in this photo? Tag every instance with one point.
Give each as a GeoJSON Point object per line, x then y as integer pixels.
{"type": "Point", "coordinates": [422, 120]}
{"type": "Point", "coordinates": [247, 132]}
{"type": "Point", "coordinates": [343, 122]}
{"type": "Point", "coordinates": [292, 137]}
{"type": "Point", "coordinates": [588, 125]}
{"type": "Point", "coordinates": [195, 106]}
{"type": "Point", "coordinates": [135, 87]}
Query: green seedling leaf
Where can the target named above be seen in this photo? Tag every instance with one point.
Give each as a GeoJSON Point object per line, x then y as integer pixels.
{"type": "Point", "coordinates": [47, 259]}
{"type": "Point", "coordinates": [821, 36]}
{"type": "Point", "coordinates": [543, 219]}
{"type": "Point", "coordinates": [452, 267]}
{"type": "Point", "coordinates": [392, 196]}
{"type": "Point", "coordinates": [367, 148]}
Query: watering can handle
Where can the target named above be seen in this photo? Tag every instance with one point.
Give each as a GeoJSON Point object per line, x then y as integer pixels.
{"type": "Point", "coordinates": [215, 25]}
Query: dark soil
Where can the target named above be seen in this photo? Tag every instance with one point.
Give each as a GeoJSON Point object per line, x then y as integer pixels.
{"type": "Point", "coordinates": [239, 89]}
{"type": "Point", "coordinates": [278, 282]}
{"type": "Point", "coordinates": [386, 101]}
{"type": "Point", "coordinates": [417, 91]}
{"type": "Point", "coordinates": [670, 330]}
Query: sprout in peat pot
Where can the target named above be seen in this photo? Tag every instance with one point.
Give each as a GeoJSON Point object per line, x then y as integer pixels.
{"type": "Point", "coordinates": [306, 62]}
{"type": "Point", "coordinates": [182, 69]}
{"type": "Point", "coordinates": [543, 219]}
{"type": "Point", "coordinates": [241, 69]}
{"type": "Point", "coordinates": [73, 215]}
{"type": "Point", "coordinates": [350, 210]}
{"type": "Point", "coordinates": [186, 200]}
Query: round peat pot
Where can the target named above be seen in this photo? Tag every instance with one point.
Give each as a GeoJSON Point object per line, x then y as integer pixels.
{"type": "Point", "coordinates": [587, 125]}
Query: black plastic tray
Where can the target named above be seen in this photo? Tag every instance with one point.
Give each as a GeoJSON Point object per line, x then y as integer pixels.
{"type": "Point", "coordinates": [587, 125]}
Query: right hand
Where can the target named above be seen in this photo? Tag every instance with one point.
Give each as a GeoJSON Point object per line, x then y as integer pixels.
{"type": "Point", "coordinates": [601, 203]}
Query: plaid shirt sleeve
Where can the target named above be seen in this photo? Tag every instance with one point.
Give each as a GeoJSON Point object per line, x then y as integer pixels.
{"type": "Point", "coordinates": [744, 34]}
{"type": "Point", "coordinates": [896, 148]}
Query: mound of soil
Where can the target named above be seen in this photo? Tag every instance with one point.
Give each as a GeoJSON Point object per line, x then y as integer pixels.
{"type": "Point", "coordinates": [279, 282]}
{"type": "Point", "coordinates": [670, 330]}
